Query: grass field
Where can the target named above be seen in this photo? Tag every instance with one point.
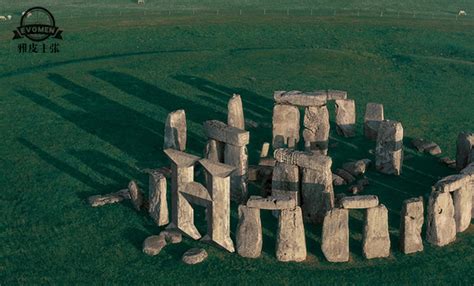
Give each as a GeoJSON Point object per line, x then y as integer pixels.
{"type": "Point", "coordinates": [89, 119]}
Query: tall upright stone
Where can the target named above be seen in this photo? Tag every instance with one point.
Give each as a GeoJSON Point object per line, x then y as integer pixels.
{"type": "Point", "coordinates": [441, 226]}
{"type": "Point", "coordinates": [389, 148]}
{"type": "Point", "coordinates": [291, 241]}
{"type": "Point", "coordinates": [158, 206]}
{"type": "Point", "coordinates": [464, 150]}
{"type": "Point", "coordinates": [237, 156]}
{"type": "Point", "coordinates": [345, 117]}
{"type": "Point", "coordinates": [376, 238]}
{"type": "Point", "coordinates": [175, 131]}
{"type": "Point", "coordinates": [316, 129]}
{"type": "Point", "coordinates": [235, 112]}
{"type": "Point", "coordinates": [249, 232]}
{"type": "Point", "coordinates": [373, 116]}
{"type": "Point", "coordinates": [462, 201]}
{"type": "Point", "coordinates": [411, 222]}
{"type": "Point", "coordinates": [286, 125]}
{"type": "Point", "coordinates": [182, 213]}
{"type": "Point", "coordinates": [335, 236]}
{"type": "Point", "coordinates": [469, 171]}
{"type": "Point", "coordinates": [285, 181]}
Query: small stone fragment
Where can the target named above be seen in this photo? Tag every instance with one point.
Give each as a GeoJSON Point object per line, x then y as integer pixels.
{"type": "Point", "coordinates": [265, 149]}
{"type": "Point", "coordinates": [357, 168]}
{"type": "Point", "coordinates": [345, 117]}
{"type": "Point", "coordinates": [194, 256]}
{"type": "Point", "coordinates": [249, 232]}
{"type": "Point", "coordinates": [154, 244]}
{"type": "Point", "coordinates": [172, 236]}
{"type": "Point", "coordinates": [447, 161]}
{"type": "Point", "coordinates": [175, 131]}
{"type": "Point", "coordinates": [345, 175]}
{"type": "Point", "coordinates": [376, 238]}
{"type": "Point", "coordinates": [135, 195]}
{"type": "Point", "coordinates": [337, 180]}
{"type": "Point", "coordinates": [360, 202]}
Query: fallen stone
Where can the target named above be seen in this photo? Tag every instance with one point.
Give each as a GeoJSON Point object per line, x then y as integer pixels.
{"type": "Point", "coordinates": [285, 181]}
{"type": "Point", "coordinates": [100, 200]}
{"type": "Point", "coordinates": [251, 124]}
{"type": "Point", "coordinates": [220, 131]}
{"type": "Point", "coordinates": [172, 236]}
{"type": "Point", "coordinates": [345, 117]}
{"type": "Point", "coordinates": [157, 204]}
{"type": "Point", "coordinates": [356, 189]}
{"type": "Point", "coordinates": [358, 167]}
{"type": "Point", "coordinates": [302, 159]}
{"type": "Point", "coordinates": [175, 131]}
{"type": "Point", "coordinates": [441, 226]}
{"type": "Point", "coordinates": [286, 125]}
{"type": "Point", "coordinates": [345, 175]}
{"type": "Point", "coordinates": [291, 241]}
{"type": "Point", "coordinates": [337, 180]}
{"type": "Point", "coordinates": [411, 222]}
{"type": "Point", "coordinates": [249, 232]}
{"type": "Point", "coordinates": [423, 145]}
{"type": "Point", "coordinates": [235, 113]}
{"type": "Point", "coordinates": [447, 161]}
{"type": "Point", "coordinates": [360, 202]}
{"type": "Point", "coordinates": [464, 152]}
{"type": "Point", "coordinates": [335, 235]}
{"type": "Point", "coordinates": [271, 203]}
{"type": "Point", "coordinates": [154, 244]}
{"type": "Point", "coordinates": [316, 129]}
{"type": "Point", "coordinates": [389, 148]}
{"type": "Point", "coordinates": [373, 116]}
{"type": "Point", "coordinates": [317, 194]}
{"type": "Point", "coordinates": [194, 256]}
{"type": "Point", "coordinates": [376, 238]}
{"type": "Point", "coordinates": [135, 195]}
{"type": "Point", "coordinates": [299, 98]}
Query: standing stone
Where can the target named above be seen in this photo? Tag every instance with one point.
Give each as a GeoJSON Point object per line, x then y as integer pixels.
{"type": "Point", "coordinates": [175, 131]}
{"type": "Point", "coordinates": [441, 226]}
{"type": "Point", "coordinates": [464, 149]}
{"type": "Point", "coordinates": [235, 113]}
{"type": "Point", "coordinates": [158, 206]}
{"type": "Point", "coordinates": [345, 117]}
{"type": "Point", "coordinates": [291, 242]}
{"type": "Point", "coordinates": [286, 125]}
{"type": "Point", "coordinates": [249, 232]}
{"type": "Point", "coordinates": [285, 181]}
{"type": "Point", "coordinates": [316, 128]}
{"type": "Point", "coordinates": [389, 148]}
{"type": "Point", "coordinates": [135, 195]}
{"type": "Point", "coordinates": [411, 222]}
{"type": "Point", "coordinates": [373, 116]}
{"type": "Point", "coordinates": [214, 151]}
{"type": "Point", "coordinates": [376, 239]}
{"type": "Point", "coordinates": [237, 156]}
{"type": "Point", "coordinates": [335, 237]}
{"type": "Point", "coordinates": [469, 171]}
{"type": "Point", "coordinates": [462, 200]}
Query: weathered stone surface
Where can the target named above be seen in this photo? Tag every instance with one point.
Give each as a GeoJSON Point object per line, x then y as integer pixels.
{"type": "Point", "coordinates": [196, 194]}
{"type": "Point", "coordinates": [441, 226]}
{"type": "Point", "coordinates": [411, 222]}
{"type": "Point", "coordinates": [302, 159]}
{"type": "Point", "coordinates": [220, 131]}
{"type": "Point", "coordinates": [291, 241]}
{"type": "Point", "coordinates": [270, 162]}
{"type": "Point", "coordinates": [194, 256]}
{"type": "Point", "coordinates": [285, 181]}
{"type": "Point", "coordinates": [389, 148]}
{"type": "Point", "coordinates": [336, 94]}
{"type": "Point", "coordinates": [158, 206]}
{"type": "Point", "coordinates": [271, 203]}
{"type": "Point", "coordinates": [373, 116]}
{"type": "Point", "coordinates": [360, 202]}
{"type": "Point", "coordinates": [337, 180]}
{"type": "Point", "coordinates": [335, 236]}
{"type": "Point", "coordinates": [235, 113]}
{"type": "Point", "coordinates": [376, 239]}
{"type": "Point", "coordinates": [100, 200]}
{"type": "Point", "coordinates": [464, 146]}
{"type": "Point", "coordinates": [238, 157]}
{"type": "Point", "coordinates": [299, 98]}
{"type": "Point", "coordinates": [172, 236]}
{"type": "Point", "coordinates": [345, 175]}
{"type": "Point", "coordinates": [175, 131]}
{"type": "Point", "coordinates": [265, 149]}
{"type": "Point", "coordinates": [154, 244]}
{"type": "Point", "coordinates": [423, 145]}
{"type": "Point", "coordinates": [469, 170]}
{"type": "Point", "coordinates": [316, 129]}
{"type": "Point", "coordinates": [462, 200]}
{"type": "Point", "coordinates": [135, 195]}
{"type": "Point", "coordinates": [317, 193]}
{"type": "Point", "coordinates": [345, 117]}
{"type": "Point", "coordinates": [358, 167]}
{"type": "Point", "coordinates": [214, 151]}
{"type": "Point", "coordinates": [452, 183]}
{"type": "Point", "coordinates": [286, 125]}
{"type": "Point", "coordinates": [249, 232]}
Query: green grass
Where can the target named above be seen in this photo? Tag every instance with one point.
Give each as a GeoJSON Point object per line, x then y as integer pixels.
{"type": "Point", "coordinates": [88, 120]}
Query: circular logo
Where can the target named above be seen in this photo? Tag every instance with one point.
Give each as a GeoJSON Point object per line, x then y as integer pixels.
{"type": "Point", "coordinates": [39, 21]}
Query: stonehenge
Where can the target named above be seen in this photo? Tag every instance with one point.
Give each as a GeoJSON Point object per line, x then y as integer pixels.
{"type": "Point", "coordinates": [411, 222]}
{"type": "Point", "coordinates": [441, 226]}
{"type": "Point", "coordinates": [389, 148]}
{"type": "Point", "coordinates": [335, 235]}
{"type": "Point", "coordinates": [376, 239]}
{"type": "Point", "coordinates": [291, 241]}
{"type": "Point", "coordinates": [249, 232]}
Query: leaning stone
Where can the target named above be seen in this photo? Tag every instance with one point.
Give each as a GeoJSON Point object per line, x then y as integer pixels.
{"type": "Point", "coordinates": [249, 232]}
{"type": "Point", "coordinates": [235, 113]}
{"type": "Point", "coordinates": [316, 129]}
{"type": "Point", "coordinates": [291, 242]}
{"type": "Point", "coordinates": [373, 116]}
{"type": "Point", "coordinates": [172, 236]}
{"type": "Point", "coordinates": [335, 236]}
{"type": "Point", "coordinates": [337, 180]}
{"type": "Point", "coordinates": [220, 131]}
{"type": "Point", "coordinates": [214, 151]}
{"type": "Point", "coordinates": [158, 206]}
{"type": "Point", "coordinates": [357, 168]}
{"type": "Point", "coordinates": [154, 244]}
{"type": "Point", "coordinates": [345, 117]}
{"type": "Point", "coordinates": [360, 202]}
{"type": "Point", "coordinates": [100, 200]}
{"type": "Point", "coordinates": [464, 146]}
{"type": "Point", "coordinates": [462, 200]}
{"type": "Point", "coordinates": [389, 148]}
{"type": "Point", "coordinates": [345, 175]}
{"type": "Point", "coordinates": [175, 131]}
{"type": "Point", "coordinates": [307, 160]}
{"type": "Point", "coordinates": [411, 222]}
{"type": "Point", "coordinates": [135, 195]}
{"type": "Point", "coordinates": [376, 238]}
{"type": "Point", "coordinates": [317, 194]}
{"type": "Point", "coordinates": [285, 181]}
{"type": "Point", "coordinates": [271, 203]}
{"type": "Point", "coordinates": [441, 226]}
{"type": "Point", "coordinates": [194, 256]}
{"type": "Point", "coordinates": [299, 98]}
{"type": "Point", "coordinates": [286, 125]}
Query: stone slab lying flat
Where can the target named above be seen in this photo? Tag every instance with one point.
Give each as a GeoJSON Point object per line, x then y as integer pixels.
{"type": "Point", "coordinates": [299, 98]}
{"type": "Point", "coordinates": [452, 183]}
{"type": "Point", "coordinates": [220, 131]}
{"type": "Point", "coordinates": [303, 159]}
{"type": "Point", "coordinates": [194, 256]}
{"type": "Point", "coordinates": [359, 202]}
{"type": "Point", "coordinates": [100, 200]}
{"type": "Point", "coordinates": [271, 203]}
